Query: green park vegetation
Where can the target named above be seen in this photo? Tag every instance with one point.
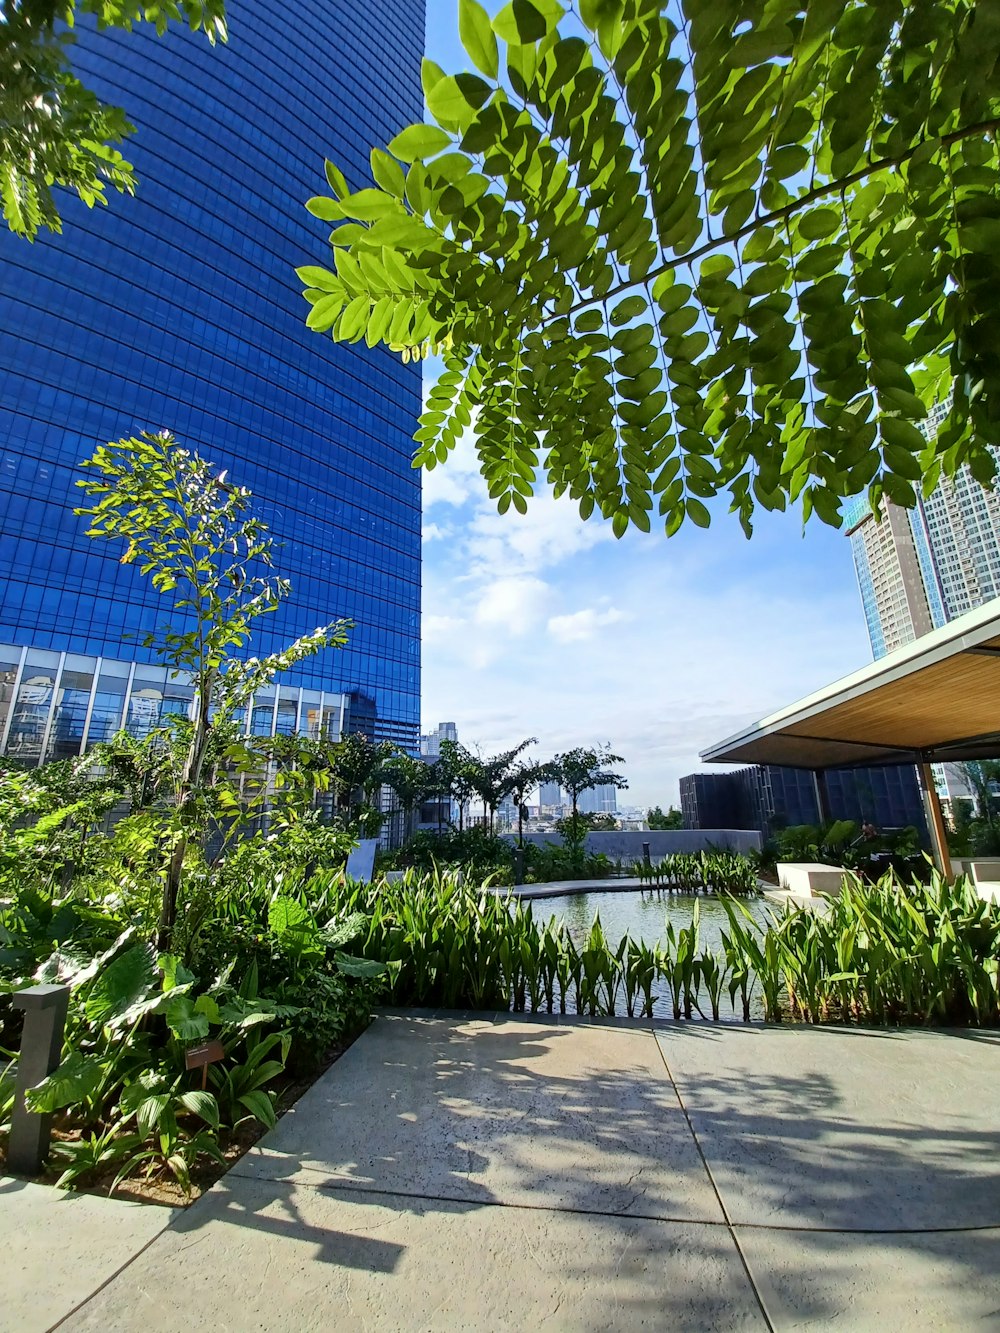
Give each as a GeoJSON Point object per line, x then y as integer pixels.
{"type": "Point", "coordinates": [190, 886]}
{"type": "Point", "coordinates": [707, 252]}
{"type": "Point", "coordinates": [656, 819]}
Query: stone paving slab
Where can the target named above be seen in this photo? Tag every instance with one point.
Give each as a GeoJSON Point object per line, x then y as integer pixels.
{"type": "Point", "coordinates": [59, 1247]}
{"type": "Point", "coordinates": [844, 1128]}
{"type": "Point", "coordinates": [504, 1173]}
{"type": "Point", "coordinates": [890, 1283]}
{"type": "Point", "coordinates": [281, 1257]}
{"type": "Point", "coordinates": [513, 1112]}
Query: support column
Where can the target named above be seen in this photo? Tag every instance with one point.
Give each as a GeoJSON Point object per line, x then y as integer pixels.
{"type": "Point", "coordinates": [822, 796]}
{"type": "Point", "coordinates": [41, 1048]}
{"type": "Point", "coordinates": [935, 819]}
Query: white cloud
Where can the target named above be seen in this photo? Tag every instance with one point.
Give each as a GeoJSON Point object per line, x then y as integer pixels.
{"type": "Point", "coordinates": [581, 625]}
{"type": "Point", "coordinates": [432, 532]}
{"type": "Point", "coordinates": [512, 604]}
{"type": "Point", "coordinates": [688, 652]}
{"type": "Point", "coordinates": [456, 481]}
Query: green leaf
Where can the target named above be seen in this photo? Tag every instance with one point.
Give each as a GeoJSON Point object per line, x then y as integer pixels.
{"type": "Point", "coordinates": [697, 512]}
{"type": "Point", "coordinates": [523, 22]}
{"type": "Point", "coordinates": [325, 208]}
{"type": "Point", "coordinates": [820, 222]}
{"type": "Point", "coordinates": [341, 932]}
{"type": "Point", "coordinates": [387, 172]}
{"type": "Point", "coordinates": [336, 180]}
{"type": "Point", "coordinates": [478, 37]}
{"type": "Point", "coordinates": [203, 1105]}
{"type": "Point", "coordinates": [903, 434]}
{"type": "Point", "coordinates": [71, 1083]}
{"type": "Point", "coordinates": [149, 1111]}
{"type": "Point", "coordinates": [456, 99]}
{"type": "Point", "coordinates": [360, 967]}
{"type": "Point", "coordinates": [121, 985]}
{"type": "Point", "coordinates": [631, 307]}
{"type": "Point", "coordinates": [260, 1106]}
{"type": "Point", "coordinates": [419, 142]}
{"type": "Point", "coordinates": [184, 1020]}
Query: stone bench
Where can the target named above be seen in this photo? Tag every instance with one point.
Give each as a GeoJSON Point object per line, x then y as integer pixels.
{"type": "Point", "coordinates": [985, 875]}
{"type": "Point", "coordinates": [811, 879]}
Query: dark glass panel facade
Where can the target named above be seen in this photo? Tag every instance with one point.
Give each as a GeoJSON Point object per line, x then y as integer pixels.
{"type": "Point", "coordinates": [769, 797]}
{"type": "Point", "coordinates": [180, 309]}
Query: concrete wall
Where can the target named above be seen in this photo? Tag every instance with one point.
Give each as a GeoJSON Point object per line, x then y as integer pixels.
{"type": "Point", "coordinates": [627, 845]}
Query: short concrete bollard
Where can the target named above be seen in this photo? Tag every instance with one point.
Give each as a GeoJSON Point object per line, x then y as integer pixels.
{"type": "Point", "coordinates": [45, 1010]}
{"type": "Point", "coordinates": [518, 865]}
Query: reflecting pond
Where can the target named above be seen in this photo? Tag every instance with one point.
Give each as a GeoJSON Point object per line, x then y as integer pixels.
{"type": "Point", "coordinates": [644, 917]}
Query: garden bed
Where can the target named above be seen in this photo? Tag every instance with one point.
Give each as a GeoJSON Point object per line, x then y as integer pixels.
{"type": "Point", "coordinates": [168, 1193]}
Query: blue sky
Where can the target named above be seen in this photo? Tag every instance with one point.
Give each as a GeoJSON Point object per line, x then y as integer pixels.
{"type": "Point", "coordinates": [546, 626]}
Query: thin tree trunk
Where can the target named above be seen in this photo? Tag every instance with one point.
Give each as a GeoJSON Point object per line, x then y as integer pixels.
{"type": "Point", "coordinates": [190, 779]}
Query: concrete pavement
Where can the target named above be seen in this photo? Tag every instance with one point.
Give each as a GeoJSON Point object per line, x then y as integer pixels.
{"type": "Point", "coordinates": [501, 1172]}
{"type": "Point", "coordinates": [59, 1248]}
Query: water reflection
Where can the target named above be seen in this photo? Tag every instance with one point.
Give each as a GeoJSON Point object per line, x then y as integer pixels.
{"type": "Point", "coordinates": [642, 917]}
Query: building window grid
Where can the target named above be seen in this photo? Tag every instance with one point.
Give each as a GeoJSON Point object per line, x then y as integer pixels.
{"type": "Point", "coordinates": [309, 710]}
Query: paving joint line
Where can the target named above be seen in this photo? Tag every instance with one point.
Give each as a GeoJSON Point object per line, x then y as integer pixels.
{"type": "Point", "coordinates": [179, 1213]}
{"type": "Point", "coordinates": [708, 1171]}
{"type": "Point", "coordinates": [348, 1186]}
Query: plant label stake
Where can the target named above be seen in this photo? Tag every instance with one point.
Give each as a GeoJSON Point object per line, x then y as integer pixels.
{"type": "Point", "coordinates": [200, 1057]}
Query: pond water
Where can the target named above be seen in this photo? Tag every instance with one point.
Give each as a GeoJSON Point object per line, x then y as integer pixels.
{"type": "Point", "coordinates": [644, 917]}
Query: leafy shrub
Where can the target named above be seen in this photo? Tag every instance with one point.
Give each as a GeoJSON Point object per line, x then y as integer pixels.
{"type": "Point", "coordinates": [476, 852]}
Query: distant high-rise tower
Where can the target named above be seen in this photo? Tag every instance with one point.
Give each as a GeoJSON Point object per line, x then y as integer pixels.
{"type": "Point", "coordinates": [919, 568]}
{"type": "Point", "coordinates": [430, 742]}
{"type": "Point", "coordinates": [896, 574]}
{"type": "Point", "coordinates": [598, 801]}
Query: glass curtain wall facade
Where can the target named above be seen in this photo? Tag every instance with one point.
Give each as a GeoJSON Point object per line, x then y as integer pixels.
{"type": "Point", "coordinates": [56, 705]}
{"type": "Point", "coordinates": [179, 309]}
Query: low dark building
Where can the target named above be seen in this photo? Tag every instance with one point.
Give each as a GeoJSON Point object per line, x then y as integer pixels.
{"type": "Point", "coordinates": [768, 797]}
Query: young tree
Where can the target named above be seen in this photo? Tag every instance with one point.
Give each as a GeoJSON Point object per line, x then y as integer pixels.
{"type": "Point", "coordinates": [498, 774]}
{"type": "Point", "coordinates": [523, 778]}
{"type": "Point", "coordinates": [656, 819]}
{"type": "Point", "coordinates": [980, 776]}
{"type": "Point", "coordinates": [411, 780]}
{"type": "Point", "coordinates": [582, 770]}
{"type": "Point", "coordinates": [358, 764]}
{"type": "Point", "coordinates": [190, 531]}
{"type": "Point", "coordinates": [462, 771]}
{"type": "Point", "coordinates": [676, 251]}
{"type": "Point", "coordinates": [53, 129]}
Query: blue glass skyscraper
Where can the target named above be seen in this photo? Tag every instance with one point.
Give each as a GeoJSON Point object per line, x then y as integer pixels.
{"type": "Point", "coordinates": [180, 309]}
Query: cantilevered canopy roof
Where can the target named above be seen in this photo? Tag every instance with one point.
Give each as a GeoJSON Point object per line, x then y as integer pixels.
{"type": "Point", "coordinates": [937, 699]}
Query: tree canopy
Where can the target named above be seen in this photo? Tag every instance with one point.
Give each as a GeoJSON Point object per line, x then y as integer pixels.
{"type": "Point", "coordinates": [53, 129]}
{"type": "Point", "coordinates": [674, 252]}
{"type": "Point", "coordinates": [584, 769]}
